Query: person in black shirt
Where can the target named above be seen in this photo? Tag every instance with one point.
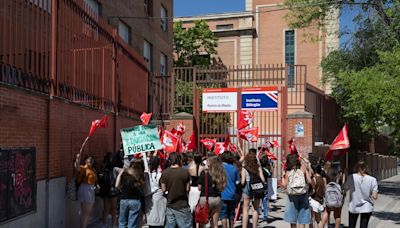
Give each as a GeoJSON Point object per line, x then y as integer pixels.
{"type": "Point", "coordinates": [130, 182]}
{"type": "Point", "coordinates": [216, 182]}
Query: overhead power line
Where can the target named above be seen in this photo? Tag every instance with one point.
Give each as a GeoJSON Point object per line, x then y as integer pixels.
{"type": "Point", "coordinates": [280, 8]}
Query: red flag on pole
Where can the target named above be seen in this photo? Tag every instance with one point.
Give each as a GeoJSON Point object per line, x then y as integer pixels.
{"type": "Point", "coordinates": [245, 119]}
{"type": "Point", "coordinates": [98, 124]}
{"type": "Point", "coordinates": [169, 142]}
{"type": "Point", "coordinates": [145, 118]}
{"type": "Point", "coordinates": [227, 141]}
{"type": "Point", "coordinates": [180, 129]}
{"type": "Point", "coordinates": [275, 143]}
{"type": "Point", "coordinates": [208, 143]}
{"type": "Point", "coordinates": [232, 148]}
{"type": "Point", "coordinates": [219, 148]}
{"type": "Point", "coordinates": [181, 146]}
{"type": "Point", "coordinates": [340, 145]}
{"type": "Point", "coordinates": [192, 144]}
{"type": "Point", "coordinates": [271, 155]}
{"type": "Point", "coordinates": [250, 135]}
{"type": "Point", "coordinates": [292, 146]}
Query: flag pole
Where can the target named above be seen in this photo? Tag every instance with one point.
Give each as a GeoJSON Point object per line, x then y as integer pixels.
{"type": "Point", "coordinates": [83, 145]}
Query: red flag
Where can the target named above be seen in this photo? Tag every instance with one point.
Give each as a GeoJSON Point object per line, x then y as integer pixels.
{"type": "Point", "coordinates": [160, 154]}
{"type": "Point", "coordinates": [227, 141]}
{"type": "Point", "coordinates": [180, 129]}
{"type": "Point", "coordinates": [219, 148]}
{"type": "Point", "coordinates": [292, 146]}
{"type": "Point", "coordinates": [98, 124]}
{"type": "Point", "coordinates": [169, 142]}
{"type": "Point", "coordinates": [232, 148]}
{"type": "Point", "coordinates": [275, 143]}
{"type": "Point", "coordinates": [250, 135]}
{"type": "Point", "coordinates": [192, 144]}
{"type": "Point", "coordinates": [245, 119]}
{"type": "Point", "coordinates": [181, 146]}
{"type": "Point", "coordinates": [340, 145]}
{"type": "Point", "coordinates": [271, 155]}
{"type": "Point", "coordinates": [208, 143]}
{"type": "Point", "coordinates": [145, 118]}
{"type": "Point", "coordinates": [174, 132]}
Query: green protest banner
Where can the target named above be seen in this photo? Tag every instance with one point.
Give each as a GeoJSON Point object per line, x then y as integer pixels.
{"type": "Point", "coordinates": [140, 139]}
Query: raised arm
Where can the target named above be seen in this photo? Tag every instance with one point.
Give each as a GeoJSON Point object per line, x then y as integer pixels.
{"type": "Point", "coordinates": [77, 162]}
{"type": "Point", "coordinates": [118, 180]}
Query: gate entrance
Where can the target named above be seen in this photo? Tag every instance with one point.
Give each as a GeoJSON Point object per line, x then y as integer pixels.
{"type": "Point", "coordinates": [217, 125]}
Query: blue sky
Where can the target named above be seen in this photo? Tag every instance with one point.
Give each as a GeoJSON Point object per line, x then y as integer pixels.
{"type": "Point", "coordinates": [198, 7]}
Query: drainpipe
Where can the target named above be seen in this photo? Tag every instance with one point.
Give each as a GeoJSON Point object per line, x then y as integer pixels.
{"type": "Point", "coordinates": [52, 92]}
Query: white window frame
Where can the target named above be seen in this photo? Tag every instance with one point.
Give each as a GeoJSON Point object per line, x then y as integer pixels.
{"type": "Point", "coordinates": [148, 54]}
{"type": "Point", "coordinates": [94, 5]}
{"type": "Point", "coordinates": [124, 31]}
{"type": "Point", "coordinates": [164, 20]}
{"type": "Point", "coordinates": [163, 64]}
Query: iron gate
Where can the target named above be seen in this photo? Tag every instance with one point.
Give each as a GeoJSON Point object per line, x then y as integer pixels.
{"type": "Point", "coordinates": [271, 125]}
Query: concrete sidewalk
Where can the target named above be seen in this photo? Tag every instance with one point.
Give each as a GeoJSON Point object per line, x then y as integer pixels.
{"type": "Point", "coordinates": [385, 215]}
{"type": "Point", "coordinates": [386, 211]}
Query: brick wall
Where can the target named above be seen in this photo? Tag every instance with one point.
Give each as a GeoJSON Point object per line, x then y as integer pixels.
{"type": "Point", "coordinates": [56, 128]}
{"type": "Point", "coordinates": [143, 29]}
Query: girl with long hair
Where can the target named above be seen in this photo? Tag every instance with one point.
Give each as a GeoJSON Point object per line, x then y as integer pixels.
{"type": "Point", "coordinates": [107, 189]}
{"type": "Point", "coordinates": [216, 182]}
{"type": "Point", "coordinates": [296, 180]}
{"type": "Point", "coordinates": [250, 168]}
{"type": "Point", "coordinates": [195, 169]}
{"type": "Point", "coordinates": [87, 178]}
{"type": "Point", "coordinates": [155, 201]}
{"type": "Point", "coordinates": [363, 194]}
{"type": "Point", "coordinates": [131, 183]}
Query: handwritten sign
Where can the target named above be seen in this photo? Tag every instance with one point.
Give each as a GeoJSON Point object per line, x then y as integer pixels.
{"type": "Point", "coordinates": [140, 139]}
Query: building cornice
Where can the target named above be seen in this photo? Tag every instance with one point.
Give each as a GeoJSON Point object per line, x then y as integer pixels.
{"type": "Point", "coordinates": [209, 17]}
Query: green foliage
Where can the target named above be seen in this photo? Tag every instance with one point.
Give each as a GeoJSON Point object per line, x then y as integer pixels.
{"type": "Point", "coordinates": [365, 76]}
{"type": "Point", "coordinates": [191, 44]}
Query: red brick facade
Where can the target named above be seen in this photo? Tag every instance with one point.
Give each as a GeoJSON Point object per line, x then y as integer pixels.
{"type": "Point", "coordinates": [56, 128]}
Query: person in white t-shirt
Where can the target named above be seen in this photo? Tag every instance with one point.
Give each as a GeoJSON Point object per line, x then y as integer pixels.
{"type": "Point", "coordinates": [363, 193]}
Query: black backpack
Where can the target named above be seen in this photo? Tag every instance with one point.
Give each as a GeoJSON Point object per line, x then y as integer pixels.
{"type": "Point", "coordinates": [257, 188]}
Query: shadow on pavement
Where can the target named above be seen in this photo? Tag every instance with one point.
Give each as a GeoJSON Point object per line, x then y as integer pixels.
{"type": "Point", "coordinates": [386, 215]}
{"type": "Point", "coordinates": [389, 188]}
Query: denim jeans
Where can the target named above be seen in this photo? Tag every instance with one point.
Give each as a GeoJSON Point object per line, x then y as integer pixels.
{"type": "Point", "coordinates": [181, 217]}
{"type": "Point", "coordinates": [265, 205]}
{"type": "Point", "coordinates": [129, 213]}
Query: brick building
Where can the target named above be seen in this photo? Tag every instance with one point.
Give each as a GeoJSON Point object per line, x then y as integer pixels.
{"type": "Point", "coordinates": [260, 35]}
{"type": "Point", "coordinates": [145, 25]}
{"type": "Point", "coordinates": [61, 67]}
{"type": "Point", "coordinates": [254, 44]}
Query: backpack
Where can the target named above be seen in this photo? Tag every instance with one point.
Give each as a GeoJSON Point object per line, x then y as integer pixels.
{"type": "Point", "coordinates": [296, 182]}
{"type": "Point", "coordinates": [72, 189]}
{"type": "Point", "coordinates": [333, 195]}
{"type": "Point", "coordinates": [257, 188]}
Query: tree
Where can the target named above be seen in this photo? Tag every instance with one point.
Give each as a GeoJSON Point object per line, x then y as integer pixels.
{"type": "Point", "coordinates": [363, 75]}
{"type": "Point", "coordinates": [195, 45]}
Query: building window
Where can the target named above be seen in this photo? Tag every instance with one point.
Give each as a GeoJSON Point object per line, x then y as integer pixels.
{"type": "Point", "coordinates": [148, 7]}
{"type": "Point", "coordinates": [225, 27]}
{"type": "Point", "coordinates": [148, 55]}
{"type": "Point", "coordinates": [163, 16]}
{"type": "Point", "coordinates": [290, 56]}
{"type": "Point", "coordinates": [124, 31]}
{"type": "Point", "coordinates": [163, 64]}
{"type": "Point", "coordinates": [94, 5]}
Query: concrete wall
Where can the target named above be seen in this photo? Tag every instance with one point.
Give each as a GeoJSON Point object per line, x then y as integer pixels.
{"type": "Point", "coordinates": [54, 205]}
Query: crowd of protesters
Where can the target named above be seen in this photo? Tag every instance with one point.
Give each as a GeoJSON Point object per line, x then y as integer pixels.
{"type": "Point", "coordinates": [169, 191]}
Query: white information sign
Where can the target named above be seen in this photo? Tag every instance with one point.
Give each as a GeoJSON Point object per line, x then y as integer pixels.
{"type": "Point", "coordinates": [220, 100]}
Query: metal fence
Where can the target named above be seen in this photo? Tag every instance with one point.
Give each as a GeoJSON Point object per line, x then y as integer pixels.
{"type": "Point", "coordinates": [189, 82]}
{"type": "Point", "coordinates": [64, 49]}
